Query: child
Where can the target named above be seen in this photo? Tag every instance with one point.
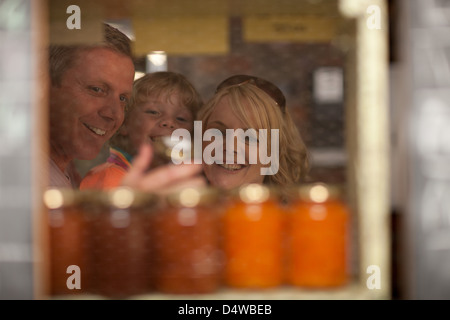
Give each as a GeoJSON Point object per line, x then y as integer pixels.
{"type": "Point", "coordinates": [161, 102]}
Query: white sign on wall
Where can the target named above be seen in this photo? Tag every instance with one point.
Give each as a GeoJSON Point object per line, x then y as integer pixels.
{"type": "Point", "coordinates": [328, 85]}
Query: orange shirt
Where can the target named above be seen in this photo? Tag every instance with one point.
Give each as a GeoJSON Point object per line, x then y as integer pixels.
{"type": "Point", "coordinates": [108, 175]}
{"type": "Point", "coordinates": [104, 176]}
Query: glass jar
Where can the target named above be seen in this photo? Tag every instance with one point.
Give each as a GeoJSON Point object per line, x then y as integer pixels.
{"type": "Point", "coordinates": [187, 242]}
{"type": "Point", "coordinates": [163, 151]}
{"type": "Point", "coordinates": [253, 238]}
{"type": "Point", "coordinates": [318, 233]}
{"type": "Point", "coordinates": [69, 242]}
{"type": "Point", "coordinates": [120, 242]}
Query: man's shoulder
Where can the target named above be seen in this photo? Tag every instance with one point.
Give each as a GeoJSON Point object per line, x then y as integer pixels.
{"type": "Point", "coordinates": [58, 178]}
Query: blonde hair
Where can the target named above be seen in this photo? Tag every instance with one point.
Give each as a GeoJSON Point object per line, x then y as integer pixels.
{"type": "Point", "coordinates": [257, 110]}
{"type": "Point", "coordinates": [62, 57]}
{"type": "Point", "coordinates": [162, 85]}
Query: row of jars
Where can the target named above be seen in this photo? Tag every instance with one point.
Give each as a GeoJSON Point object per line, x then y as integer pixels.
{"type": "Point", "coordinates": [196, 241]}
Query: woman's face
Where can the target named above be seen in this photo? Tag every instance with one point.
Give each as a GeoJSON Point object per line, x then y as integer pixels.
{"type": "Point", "coordinates": [229, 176]}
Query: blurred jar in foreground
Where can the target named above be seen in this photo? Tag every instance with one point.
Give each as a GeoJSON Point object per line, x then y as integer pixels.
{"type": "Point", "coordinates": [318, 233]}
{"type": "Point", "coordinates": [186, 237]}
{"type": "Point", "coordinates": [253, 235]}
{"type": "Point", "coordinates": [120, 242]}
{"type": "Point", "coordinates": [69, 242]}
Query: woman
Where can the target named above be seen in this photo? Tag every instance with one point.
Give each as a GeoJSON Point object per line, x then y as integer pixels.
{"type": "Point", "coordinates": [248, 102]}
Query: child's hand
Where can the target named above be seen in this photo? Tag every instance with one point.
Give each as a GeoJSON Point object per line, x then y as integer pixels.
{"type": "Point", "coordinates": [164, 179]}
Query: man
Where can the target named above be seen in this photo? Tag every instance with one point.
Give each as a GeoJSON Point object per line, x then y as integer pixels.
{"type": "Point", "coordinates": [90, 89]}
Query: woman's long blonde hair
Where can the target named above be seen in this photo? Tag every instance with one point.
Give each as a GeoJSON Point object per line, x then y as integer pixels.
{"type": "Point", "coordinates": [257, 110]}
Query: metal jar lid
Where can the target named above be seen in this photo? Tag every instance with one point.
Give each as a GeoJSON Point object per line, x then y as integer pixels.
{"type": "Point", "coordinates": [255, 193]}
{"type": "Point", "coordinates": [192, 197]}
{"type": "Point", "coordinates": [163, 151]}
{"type": "Point", "coordinates": [318, 192]}
{"type": "Point", "coordinates": [124, 197]}
{"type": "Point", "coordinates": [121, 198]}
{"type": "Point", "coordinates": [57, 198]}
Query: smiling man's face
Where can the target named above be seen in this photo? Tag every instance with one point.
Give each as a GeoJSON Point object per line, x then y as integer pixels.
{"type": "Point", "coordinates": [88, 106]}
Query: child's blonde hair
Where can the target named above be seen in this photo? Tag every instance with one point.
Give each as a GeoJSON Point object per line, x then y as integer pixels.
{"type": "Point", "coordinates": [160, 85]}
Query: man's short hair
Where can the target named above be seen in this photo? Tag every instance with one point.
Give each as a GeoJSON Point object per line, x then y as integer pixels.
{"type": "Point", "coordinates": [61, 57]}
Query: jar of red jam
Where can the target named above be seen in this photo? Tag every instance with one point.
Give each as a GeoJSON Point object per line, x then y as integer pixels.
{"type": "Point", "coordinates": [120, 242]}
{"type": "Point", "coordinates": [253, 238]}
{"type": "Point", "coordinates": [318, 237]}
{"type": "Point", "coordinates": [186, 235]}
{"type": "Point", "coordinates": [69, 242]}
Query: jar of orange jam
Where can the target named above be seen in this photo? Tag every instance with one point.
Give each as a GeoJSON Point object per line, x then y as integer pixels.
{"type": "Point", "coordinates": [186, 242]}
{"type": "Point", "coordinates": [253, 235]}
{"type": "Point", "coordinates": [69, 242]}
{"type": "Point", "coordinates": [120, 242]}
{"type": "Point", "coordinates": [318, 233]}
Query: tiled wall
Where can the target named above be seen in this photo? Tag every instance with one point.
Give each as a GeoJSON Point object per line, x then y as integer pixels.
{"type": "Point", "coordinates": [15, 150]}
{"type": "Point", "coordinates": [429, 143]}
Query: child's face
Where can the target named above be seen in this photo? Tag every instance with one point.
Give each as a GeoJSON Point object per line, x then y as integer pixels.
{"type": "Point", "coordinates": [156, 117]}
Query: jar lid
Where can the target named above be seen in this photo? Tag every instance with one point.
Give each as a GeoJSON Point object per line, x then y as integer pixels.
{"type": "Point", "coordinates": [120, 197]}
{"type": "Point", "coordinates": [56, 198]}
{"type": "Point", "coordinates": [163, 150]}
{"type": "Point", "coordinates": [192, 197]}
{"type": "Point", "coordinates": [124, 197]}
{"type": "Point", "coordinates": [255, 193]}
{"type": "Point", "coordinates": [318, 192]}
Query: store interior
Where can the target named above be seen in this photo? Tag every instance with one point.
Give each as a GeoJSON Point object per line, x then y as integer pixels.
{"type": "Point", "coordinates": [364, 81]}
